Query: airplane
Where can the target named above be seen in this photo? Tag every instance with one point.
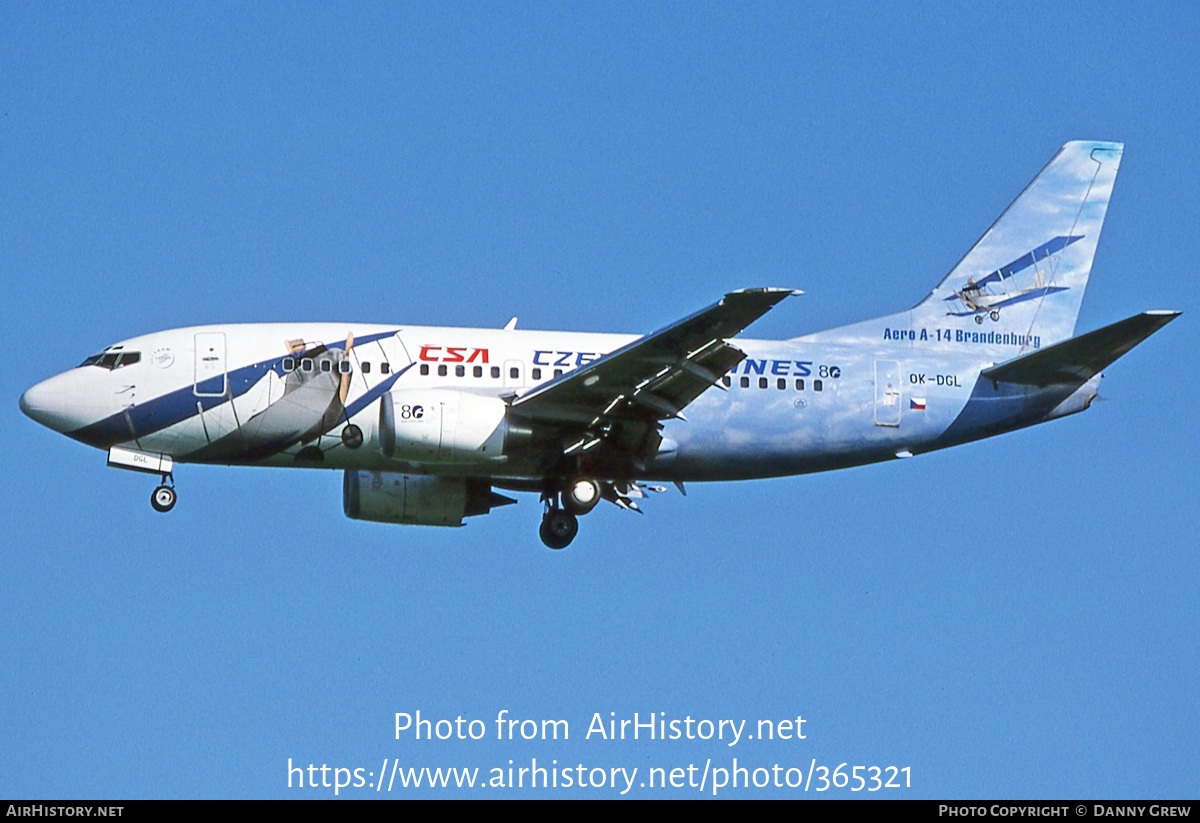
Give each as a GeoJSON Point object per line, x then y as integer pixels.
{"type": "Point", "coordinates": [427, 423]}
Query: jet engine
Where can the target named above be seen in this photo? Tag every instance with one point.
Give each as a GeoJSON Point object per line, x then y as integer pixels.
{"type": "Point", "coordinates": [420, 500]}
{"type": "Point", "coordinates": [445, 426]}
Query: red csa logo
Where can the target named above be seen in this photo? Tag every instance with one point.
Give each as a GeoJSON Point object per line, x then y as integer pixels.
{"type": "Point", "coordinates": [453, 354]}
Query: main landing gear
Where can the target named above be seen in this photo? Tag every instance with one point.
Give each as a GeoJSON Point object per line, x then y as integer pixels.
{"type": "Point", "coordinates": [558, 528]}
{"type": "Point", "coordinates": [560, 523]}
{"type": "Point", "coordinates": [163, 498]}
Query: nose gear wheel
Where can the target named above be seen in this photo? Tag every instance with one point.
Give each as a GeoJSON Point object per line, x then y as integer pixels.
{"type": "Point", "coordinates": [163, 499]}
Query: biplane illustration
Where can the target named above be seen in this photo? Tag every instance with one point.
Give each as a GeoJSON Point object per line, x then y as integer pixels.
{"type": "Point", "coordinates": [998, 289]}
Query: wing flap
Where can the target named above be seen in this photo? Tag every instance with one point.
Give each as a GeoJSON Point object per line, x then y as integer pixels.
{"type": "Point", "coordinates": [1081, 358]}
{"type": "Point", "coordinates": [658, 374]}
{"type": "Point", "coordinates": [618, 400]}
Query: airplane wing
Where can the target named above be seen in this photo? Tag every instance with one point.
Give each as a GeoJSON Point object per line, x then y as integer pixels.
{"type": "Point", "coordinates": [1081, 358]}
{"type": "Point", "coordinates": [617, 400]}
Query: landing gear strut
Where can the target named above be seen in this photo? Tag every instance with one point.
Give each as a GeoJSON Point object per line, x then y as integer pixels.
{"type": "Point", "coordinates": [163, 498]}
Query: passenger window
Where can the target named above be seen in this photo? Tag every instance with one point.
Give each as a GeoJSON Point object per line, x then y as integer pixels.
{"type": "Point", "coordinates": [799, 384]}
{"type": "Point", "coordinates": [366, 367]}
{"type": "Point", "coordinates": [424, 369]}
{"type": "Point", "coordinates": [727, 380]}
{"type": "Point", "coordinates": [460, 371]}
{"type": "Point", "coordinates": [442, 370]}
{"type": "Point", "coordinates": [818, 385]}
{"type": "Point", "coordinates": [344, 367]}
{"type": "Point", "coordinates": [326, 366]}
{"type": "Point", "coordinates": [558, 372]}
{"type": "Point", "coordinates": [514, 372]}
{"type": "Point", "coordinates": [306, 365]}
{"type": "Point", "coordinates": [289, 364]}
{"type": "Point", "coordinates": [385, 367]}
{"type": "Point", "coordinates": [762, 382]}
{"type": "Point", "coordinates": [477, 371]}
{"type": "Point", "coordinates": [537, 374]}
{"type": "Point", "coordinates": [495, 371]}
{"type": "Point", "coordinates": [744, 382]}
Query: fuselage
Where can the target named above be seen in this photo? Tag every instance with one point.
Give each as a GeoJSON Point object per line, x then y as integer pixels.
{"type": "Point", "coordinates": [283, 394]}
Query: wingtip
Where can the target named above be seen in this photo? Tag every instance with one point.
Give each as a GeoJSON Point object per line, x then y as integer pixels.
{"type": "Point", "coordinates": [769, 290]}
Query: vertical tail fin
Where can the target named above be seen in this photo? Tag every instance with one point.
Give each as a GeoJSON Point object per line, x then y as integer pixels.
{"type": "Point", "coordinates": [1021, 285]}
{"type": "Point", "coordinates": [1031, 267]}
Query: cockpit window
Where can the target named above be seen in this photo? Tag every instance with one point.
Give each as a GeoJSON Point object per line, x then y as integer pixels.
{"type": "Point", "coordinates": [112, 359]}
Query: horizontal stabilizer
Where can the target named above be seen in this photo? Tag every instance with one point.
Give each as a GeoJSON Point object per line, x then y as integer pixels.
{"type": "Point", "coordinates": [1081, 358]}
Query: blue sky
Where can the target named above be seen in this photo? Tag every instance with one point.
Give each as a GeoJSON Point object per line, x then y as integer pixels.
{"type": "Point", "coordinates": [1012, 618]}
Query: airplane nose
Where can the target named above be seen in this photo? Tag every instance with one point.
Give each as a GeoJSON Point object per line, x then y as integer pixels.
{"type": "Point", "coordinates": [26, 402]}
{"type": "Point", "coordinates": [43, 404]}
{"type": "Point", "coordinates": [55, 404]}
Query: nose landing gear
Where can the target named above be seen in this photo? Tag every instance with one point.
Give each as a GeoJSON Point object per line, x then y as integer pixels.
{"type": "Point", "coordinates": [163, 498]}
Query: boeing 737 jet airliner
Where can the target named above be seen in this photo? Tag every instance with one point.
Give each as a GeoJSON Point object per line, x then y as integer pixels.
{"type": "Point", "coordinates": [427, 422]}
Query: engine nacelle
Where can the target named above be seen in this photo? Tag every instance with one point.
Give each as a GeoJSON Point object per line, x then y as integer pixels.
{"type": "Point", "coordinates": [420, 500]}
{"type": "Point", "coordinates": [443, 426]}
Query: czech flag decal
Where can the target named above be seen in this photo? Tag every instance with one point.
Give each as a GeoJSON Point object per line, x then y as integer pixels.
{"type": "Point", "coordinates": [917, 403]}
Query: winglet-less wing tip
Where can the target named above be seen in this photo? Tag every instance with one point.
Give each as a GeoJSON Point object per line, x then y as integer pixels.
{"type": "Point", "coordinates": [770, 290]}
